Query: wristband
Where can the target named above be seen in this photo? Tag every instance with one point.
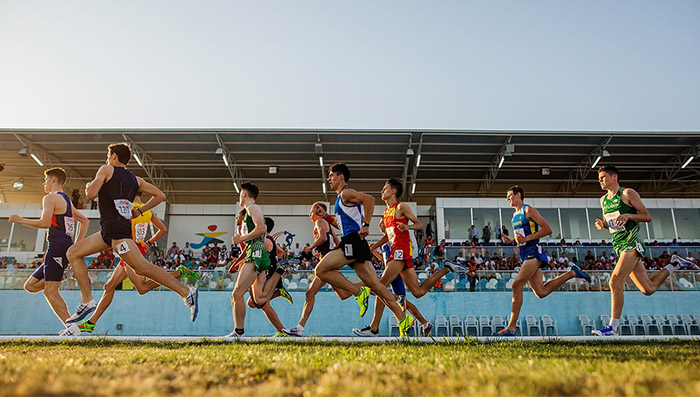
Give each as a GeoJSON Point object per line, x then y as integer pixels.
{"type": "Point", "coordinates": [365, 224]}
{"type": "Point", "coordinates": [410, 227]}
{"type": "Point", "coordinates": [139, 209]}
{"type": "Point", "coordinates": [328, 218]}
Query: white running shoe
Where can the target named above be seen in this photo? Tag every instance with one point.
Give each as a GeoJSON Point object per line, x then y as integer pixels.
{"type": "Point", "coordinates": [682, 264]}
{"type": "Point", "coordinates": [83, 310]}
{"type": "Point", "coordinates": [365, 332]}
{"type": "Point", "coordinates": [70, 330]}
{"type": "Point", "coordinates": [295, 331]}
{"type": "Point", "coordinates": [233, 334]}
{"type": "Point", "coordinates": [192, 303]}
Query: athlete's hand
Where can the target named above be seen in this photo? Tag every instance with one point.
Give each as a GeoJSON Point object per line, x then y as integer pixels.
{"type": "Point", "coordinates": [506, 239]}
{"type": "Point", "coordinates": [402, 227]}
{"type": "Point", "coordinates": [236, 239]}
{"type": "Point", "coordinates": [622, 219]}
{"type": "Point", "coordinates": [521, 239]}
{"type": "Point", "coordinates": [15, 219]}
{"type": "Point", "coordinates": [364, 231]}
{"type": "Point", "coordinates": [135, 213]}
{"type": "Point", "coordinates": [599, 224]}
{"type": "Point", "coordinates": [233, 268]}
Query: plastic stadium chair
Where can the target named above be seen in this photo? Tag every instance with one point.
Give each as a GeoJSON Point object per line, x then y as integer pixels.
{"type": "Point", "coordinates": [678, 327]}
{"type": "Point", "coordinates": [393, 325]}
{"type": "Point", "coordinates": [497, 323]}
{"type": "Point", "coordinates": [586, 324]}
{"type": "Point", "coordinates": [692, 327]}
{"type": "Point", "coordinates": [638, 328]}
{"type": "Point", "coordinates": [604, 320]}
{"type": "Point", "coordinates": [530, 323]}
{"type": "Point", "coordinates": [485, 324]}
{"type": "Point", "coordinates": [456, 325]}
{"type": "Point", "coordinates": [471, 326]}
{"type": "Point", "coordinates": [660, 321]}
{"type": "Point", "coordinates": [518, 329]}
{"type": "Point", "coordinates": [441, 324]}
{"type": "Point", "coordinates": [549, 323]}
{"type": "Point", "coordinates": [625, 328]}
{"type": "Point", "coordinates": [651, 327]}
{"type": "Point", "coordinates": [292, 285]}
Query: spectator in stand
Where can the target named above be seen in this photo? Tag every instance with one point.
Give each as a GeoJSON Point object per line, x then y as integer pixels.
{"type": "Point", "coordinates": [589, 260]}
{"type": "Point", "coordinates": [498, 231]}
{"type": "Point", "coordinates": [187, 251]}
{"type": "Point", "coordinates": [472, 275]}
{"type": "Point", "coordinates": [504, 232]}
{"type": "Point", "coordinates": [460, 259]}
{"type": "Point", "coordinates": [439, 252]}
{"type": "Point", "coordinates": [75, 199]}
{"type": "Point", "coordinates": [690, 257]}
{"type": "Point", "coordinates": [564, 260]}
{"type": "Point", "coordinates": [307, 256]}
{"type": "Point", "coordinates": [297, 251]}
{"type": "Point", "coordinates": [674, 243]}
{"type": "Point", "coordinates": [562, 243]}
{"type": "Point", "coordinates": [577, 243]}
{"type": "Point", "coordinates": [602, 243]}
{"type": "Point", "coordinates": [474, 235]}
{"type": "Point", "coordinates": [486, 232]}
{"type": "Point", "coordinates": [216, 249]}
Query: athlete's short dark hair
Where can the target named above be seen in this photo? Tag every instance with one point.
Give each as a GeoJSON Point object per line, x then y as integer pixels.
{"type": "Point", "coordinates": [610, 169]}
{"type": "Point", "coordinates": [252, 190]}
{"type": "Point", "coordinates": [57, 172]}
{"type": "Point", "coordinates": [122, 150]}
{"type": "Point", "coordinates": [340, 168]}
{"type": "Point", "coordinates": [396, 184]}
{"type": "Point", "coordinates": [517, 189]}
{"type": "Point", "coordinates": [269, 224]}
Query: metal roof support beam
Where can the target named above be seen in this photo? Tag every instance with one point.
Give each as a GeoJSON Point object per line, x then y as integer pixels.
{"type": "Point", "coordinates": [404, 177]}
{"type": "Point", "coordinates": [579, 174]}
{"type": "Point", "coordinates": [657, 180]}
{"type": "Point", "coordinates": [318, 149]}
{"type": "Point", "coordinates": [46, 157]}
{"type": "Point", "coordinates": [414, 172]}
{"type": "Point", "coordinates": [490, 175]}
{"type": "Point", "coordinates": [230, 162]}
{"type": "Point", "coordinates": [155, 173]}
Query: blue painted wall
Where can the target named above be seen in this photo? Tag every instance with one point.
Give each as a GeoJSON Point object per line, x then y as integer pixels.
{"type": "Point", "coordinates": [163, 313]}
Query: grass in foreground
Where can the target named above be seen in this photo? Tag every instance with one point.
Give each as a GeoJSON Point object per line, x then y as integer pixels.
{"type": "Point", "coordinates": [102, 367]}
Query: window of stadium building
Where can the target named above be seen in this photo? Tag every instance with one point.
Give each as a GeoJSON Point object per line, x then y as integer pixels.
{"type": "Point", "coordinates": [23, 238]}
{"type": "Point", "coordinates": [574, 224]}
{"type": "Point", "coordinates": [551, 215]}
{"type": "Point", "coordinates": [5, 228]}
{"type": "Point", "coordinates": [661, 225]}
{"type": "Point", "coordinates": [484, 217]}
{"type": "Point", "coordinates": [457, 223]}
{"type": "Point", "coordinates": [688, 223]}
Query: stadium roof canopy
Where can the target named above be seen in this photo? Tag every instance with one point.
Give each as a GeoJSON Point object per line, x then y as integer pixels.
{"type": "Point", "coordinates": [188, 164]}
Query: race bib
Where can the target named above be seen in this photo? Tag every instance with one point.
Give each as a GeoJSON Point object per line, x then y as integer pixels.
{"type": "Point", "coordinates": [69, 224]}
{"type": "Point", "coordinates": [348, 250]}
{"type": "Point", "coordinates": [124, 207]}
{"type": "Point", "coordinates": [391, 233]}
{"type": "Point", "coordinates": [398, 255]}
{"type": "Point", "coordinates": [520, 232]}
{"type": "Point", "coordinates": [140, 230]}
{"type": "Point", "coordinates": [122, 248]}
{"type": "Point", "coordinates": [244, 229]}
{"type": "Point", "coordinates": [610, 219]}
{"type": "Point", "coordinates": [257, 254]}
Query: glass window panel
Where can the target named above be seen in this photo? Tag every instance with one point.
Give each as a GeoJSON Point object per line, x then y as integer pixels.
{"type": "Point", "coordinates": [23, 238]}
{"type": "Point", "coordinates": [574, 224]}
{"type": "Point", "coordinates": [5, 228]}
{"type": "Point", "coordinates": [688, 223]}
{"type": "Point", "coordinates": [457, 223]}
{"type": "Point", "coordinates": [551, 215]}
{"type": "Point", "coordinates": [484, 216]}
{"type": "Point", "coordinates": [597, 235]}
{"type": "Point", "coordinates": [661, 225]}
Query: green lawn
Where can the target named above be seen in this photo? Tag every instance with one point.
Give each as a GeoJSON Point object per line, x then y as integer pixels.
{"type": "Point", "coordinates": [101, 367]}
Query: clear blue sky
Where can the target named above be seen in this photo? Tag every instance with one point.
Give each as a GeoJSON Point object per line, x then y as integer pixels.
{"type": "Point", "coordinates": [575, 65]}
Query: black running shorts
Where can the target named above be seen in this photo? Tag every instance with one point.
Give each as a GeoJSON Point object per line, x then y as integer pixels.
{"type": "Point", "coordinates": [115, 230]}
{"type": "Point", "coordinates": [355, 247]}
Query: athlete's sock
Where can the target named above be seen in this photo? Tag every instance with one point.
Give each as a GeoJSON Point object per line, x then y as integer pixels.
{"type": "Point", "coordinates": [90, 322]}
{"type": "Point", "coordinates": [670, 268]}
{"type": "Point", "coordinates": [299, 327]}
{"type": "Point", "coordinates": [614, 322]}
{"type": "Point", "coordinates": [239, 331]}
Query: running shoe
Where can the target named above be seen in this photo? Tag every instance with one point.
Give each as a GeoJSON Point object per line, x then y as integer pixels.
{"type": "Point", "coordinates": [427, 327]}
{"type": "Point", "coordinates": [86, 327]}
{"type": "Point", "coordinates": [682, 264]}
{"type": "Point", "coordinates": [454, 267]}
{"type": "Point", "coordinates": [83, 310]}
{"type": "Point", "coordinates": [503, 332]}
{"type": "Point", "coordinates": [580, 274]}
{"type": "Point", "coordinates": [284, 294]}
{"type": "Point", "coordinates": [187, 273]}
{"type": "Point", "coordinates": [363, 300]}
{"type": "Point", "coordinates": [192, 303]}
{"type": "Point", "coordinates": [365, 332]}
{"type": "Point", "coordinates": [70, 330]}
{"type": "Point", "coordinates": [233, 334]}
{"type": "Point", "coordinates": [405, 325]}
{"type": "Point", "coordinates": [296, 331]}
{"type": "Point", "coordinates": [605, 331]}
{"type": "Point", "coordinates": [280, 334]}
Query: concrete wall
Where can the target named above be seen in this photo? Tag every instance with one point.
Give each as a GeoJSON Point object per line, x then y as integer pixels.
{"type": "Point", "coordinates": [163, 313]}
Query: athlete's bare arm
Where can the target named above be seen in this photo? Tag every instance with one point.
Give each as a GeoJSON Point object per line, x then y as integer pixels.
{"type": "Point", "coordinates": [599, 223]}
{"type": "Point", "coordinates": [104, 173]}
{"type": "Point", "coordinates": [631, 198]}
{"type": "Point", "coordinates": [321, 237]}
{"type": "Point", "coordinates": [256, 213]}
{"type": "Point", "coordinates": [82, 220]}
{"type": "Point", "coordinates": [48, 204]}
{"type": "Point", "coordinates": [405, 210]}
{"type": "Point", "coordinates": [162, 229]}
{"type": "Point", "coordinates": [352, 196]}
{"type": "Point", "coordinates": [379, 243]}
{"type": "Point", "coordinates": [534, 215]}
{"type": "Point", "coordinates": [157, 196]}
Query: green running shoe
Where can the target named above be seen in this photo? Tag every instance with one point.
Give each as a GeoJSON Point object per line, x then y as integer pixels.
{"type": "Point", "coordinates": [363, 300]}
{"type": "Point", "coordinates": [280, 335]}
{"type": "Point", "coordinates": [187, 273]}
{"type": "Point", "coordinates": [86, 327]}
{"type": "Point", "coordinates": [405, 325]}
{"type": "Point", "coordinates": [285, 295]}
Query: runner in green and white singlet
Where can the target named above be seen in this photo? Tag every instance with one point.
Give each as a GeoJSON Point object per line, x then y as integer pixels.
{"type": "Point", "coordinates": [625, 237]}
{"type": "Point", "coordinates": [623, 210]}
{"type": "Point", "coordinates": [255, 249]}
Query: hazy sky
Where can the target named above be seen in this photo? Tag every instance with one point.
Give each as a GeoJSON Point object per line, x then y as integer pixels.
{"type": "Point", "coordinates": [577, 65]}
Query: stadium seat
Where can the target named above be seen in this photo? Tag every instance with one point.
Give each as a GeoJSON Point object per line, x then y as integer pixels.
{"type": "Point", "coordinates": [485, 324]}
{"type": "Point", "coordinates": [549, 323]}
{"type": "Point", "coordinates": [441, 324]}
{"type": "Point", "coordinates": [530, 323]}
{"type": "Point", "coordinates": [304, 284]}
{"type": "Point", "coordinates": [665, 328]}
{"type": "Point", "coordinates": [624, 328]}
{"type": "Point", "coordinates": [292, 285]}
{"type": "Point", "coordinates": [456, 325]}
{"type": "Point", "coordinates": [586, 324]}
{"type": "Point", "coordinates": [509, 284]}
{"type": "Point", "coordinates": [651, 327]}
{"type": "Point", "coordinates": [449, 286]}
{"type": "Point", "coordinates": [422, 276]}
{"type": "Point", "coordinates": [638, 327]}
{"type": "Point", "coordinates": [691, 326]}
{"type": "Point", "coordinates": [518, 329]}
{"type": "Point", "coordinates": [497, 323]}
{"type": "Point", "coordinates": [471, 325]}
{"type": "Point", "coordinates": [676, 325]}
{"type": "Point", "coordinates": [393, 325]}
